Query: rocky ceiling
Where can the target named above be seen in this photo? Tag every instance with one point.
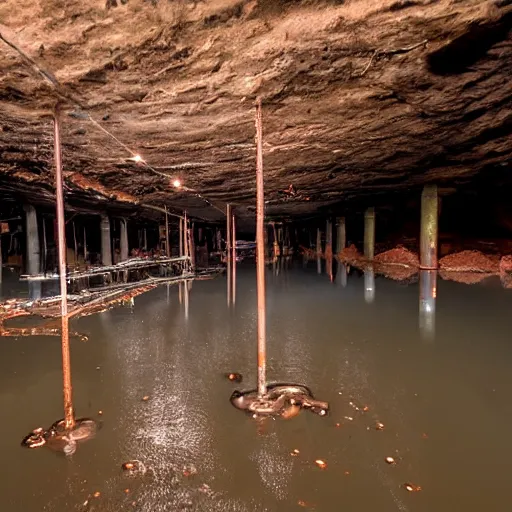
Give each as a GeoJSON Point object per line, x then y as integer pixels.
{"type": "Point", "coordinates": [362, 99]}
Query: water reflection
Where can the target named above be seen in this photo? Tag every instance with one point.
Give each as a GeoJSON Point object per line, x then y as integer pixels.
{"type": "Point", "coordinates": [341, 274]}
{"type": "Point", "coordinates": [428, 293]}
{"type": "Point", "coordinates": [369, 284]}
{"type": "Point", "coordinates": [34, 290]}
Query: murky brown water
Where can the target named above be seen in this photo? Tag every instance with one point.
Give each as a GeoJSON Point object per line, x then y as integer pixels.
{"type": "Point", "coordinates": [444, 401]}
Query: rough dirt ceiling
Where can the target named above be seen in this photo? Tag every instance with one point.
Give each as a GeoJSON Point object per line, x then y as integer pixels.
{"type": "Point", "coordinates": [360, 98]}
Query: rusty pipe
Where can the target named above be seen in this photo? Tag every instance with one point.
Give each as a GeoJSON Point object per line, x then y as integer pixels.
{"type": "Point", "coordinates": [61, 230]}
{"type": "Point", "coordinates": [260, 255]}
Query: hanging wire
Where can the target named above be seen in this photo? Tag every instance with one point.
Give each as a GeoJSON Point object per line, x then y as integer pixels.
{"type": "Point", "coordinates": [60, 90]}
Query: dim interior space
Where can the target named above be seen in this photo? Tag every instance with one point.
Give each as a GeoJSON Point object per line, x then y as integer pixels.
{"type": "Point", "coordinates": [255, 255]}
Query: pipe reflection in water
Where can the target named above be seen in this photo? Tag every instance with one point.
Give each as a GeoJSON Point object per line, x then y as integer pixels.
{"type": "Point", "coordinates": [341, 274]}
{"type": "Point", "coordinates": [318, 264]}
{"type": "Point", "coordinates": [186, 295]}
{"type": "Point", "coordinates": [34, 290]}
{"type": "Point", "coordinates": [369, 284]}
{"type": "Point", "coordinates": [328, 268]}
{"type": "Point", "coordinates": [428, 294]}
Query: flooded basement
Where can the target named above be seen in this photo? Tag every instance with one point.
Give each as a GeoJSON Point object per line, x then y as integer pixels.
{"type": "Point", "coordinates": [439, 386]}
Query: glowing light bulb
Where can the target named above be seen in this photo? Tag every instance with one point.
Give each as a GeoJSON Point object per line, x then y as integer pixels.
{"type": "Point", "coordinates": [176, 183]}
{"type": "Point", "coordinates": [137, 158]}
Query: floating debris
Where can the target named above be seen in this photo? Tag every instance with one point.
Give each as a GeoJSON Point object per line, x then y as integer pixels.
{"type": "Point", "coordinates": [295, 452]}
{"type": "Point", "coordinates": [412, 487]}
{"type": "Point", "coordinates": [97, 494]}
{"type": "Point", "coordinates": [349, 418]}
{"type": "Point", "coordinates": [390, 460]}
{"type": "Point", "coordinates": [145, 398]}
{"type": "Point", "coordinates": [127, 491]}
{"type": "Point", "coordinates": [302, 503]}
{"type": "Point", "coordinates": [379, 426]}
{"type": "Point", "coordinates": [189, 470]}
{"type": "Point", "coordinates": [234, 377]}
{"type": "Point", "coordinates": [100, 413]}
{"type": "Point", "coordinates": [366, 408]}
{"type": "Point", "coordinates": [134, 467]}
{"type": "Point", "coordinates": [424, 436]}
{"type": "Point", "coordinates": [321, 464]}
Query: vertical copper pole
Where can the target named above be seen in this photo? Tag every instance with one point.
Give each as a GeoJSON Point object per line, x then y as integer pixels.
{"type": "Point", "coordinates": [181, 237]}
{"type": "Point", "coordinates": [228, 251]}
{"type": "Point", "coordinates": [192, 246]}
{"type": "Point", "coordinates": [260, 256]}
{"type": "Point", "coordinates": [167, 245]}
{"type": "Point", "coordinates": [233, 243]}
{"type": "Point", "coordinates": [76, 243]}
{"type": "Point", "coordinates": [185, 241]}
{"type": "Point", "coordinates": [61, 227]}
{"type": "Point", "coordinates": [45, 246]}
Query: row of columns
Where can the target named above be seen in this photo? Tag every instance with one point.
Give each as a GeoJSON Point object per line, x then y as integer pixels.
{"type": "Point", "coordinates": [33, 245]}
{"type": "Point", "coordinates": [428, 231]}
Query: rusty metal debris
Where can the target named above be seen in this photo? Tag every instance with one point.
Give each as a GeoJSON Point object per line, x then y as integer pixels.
{"type": "Point", "coordinates": [285, 400]}
{"type": "Point", "coordinates": [379, 426]}
{"type": "Point", "coordinates": [321, 463]}
{"type": "Point", "coordinates": [234, 377]}
{"type": "Point", "coordinates": [60, 437]}
{"type": "Point", "coordinates": [134, 467]}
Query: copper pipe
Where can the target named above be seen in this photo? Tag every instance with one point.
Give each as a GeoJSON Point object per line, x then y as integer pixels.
{"type": "Point", "coordinates": [233, 257]}
{"type": "Point", "coordinates": [61, 228]}
{"type": "Point", "coordinates": [192, 246]}
{"type": "Point", "coordinates": [228, 250]}
{"type": "Point", "coordinates": [260, 256]}
{"type": "Point", "coordinates": [167, 246]}
{"type": "Point", "coordinates": [181, 237]}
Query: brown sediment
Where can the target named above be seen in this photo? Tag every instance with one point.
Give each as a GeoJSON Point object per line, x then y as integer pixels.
{"type": "Point", "coordinates": [506, 264]}
{"type": "Point", "coordinates": [398, 256]}
{"type": "Point", "coordinates": [350, 255]}
{"type": "Point", "coordinates": [470, 261]}
{"type": "Point", "coordinates": [308, 253]}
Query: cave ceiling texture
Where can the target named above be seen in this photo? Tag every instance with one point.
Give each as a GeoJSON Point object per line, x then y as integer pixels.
{"type": "Point", "coordinates": [362, 100]}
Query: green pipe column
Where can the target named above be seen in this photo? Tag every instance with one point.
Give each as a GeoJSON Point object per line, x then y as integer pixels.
{"type": "Point", "coordinates": [106, 241]}
{"type": "Point", "coordinates": [341, 237]}
{"type": "Point", "coordinates": [429, 228]}
{"type": "Point", "coordinates": [124, 240]}
{"type": "Point", "coordinates": [369, 233]}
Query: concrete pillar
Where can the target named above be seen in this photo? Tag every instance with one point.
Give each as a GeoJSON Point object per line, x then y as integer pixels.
{"type": "Point", "coordinates": [124, 240]}
{"type": "Point", "coordinates": [32, 238]}
{"type": "Point", "coordinates": [106, 241]}
{"type": "Point", "coordinates": [429, 228]}
{"type": "Point", "coordinates": [328, 239]}
{"type": "Point", "coordinates": [369, 233]}
{"type": "Point", "coordinates": [341, 236]}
